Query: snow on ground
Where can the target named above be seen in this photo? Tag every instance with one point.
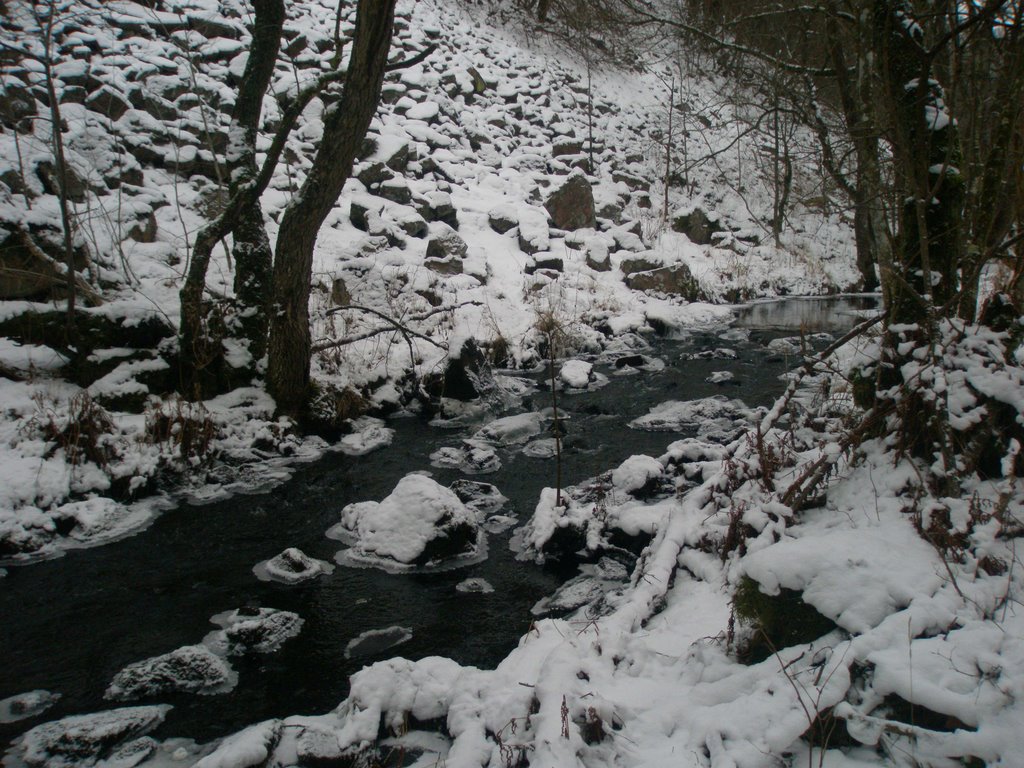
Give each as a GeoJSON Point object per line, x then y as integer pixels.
{"type": "Point", "coordinates": [915, 653]}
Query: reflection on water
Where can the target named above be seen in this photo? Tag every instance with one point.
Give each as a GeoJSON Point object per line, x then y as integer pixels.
{"type": "Point", "coordinates": [830, 314]}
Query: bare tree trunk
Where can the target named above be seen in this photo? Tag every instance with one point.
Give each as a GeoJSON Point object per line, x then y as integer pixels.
{"type": "Point", "coordinates": [926, 163]}
{"type": "Point", "coordinates": [345, 126]}
{"type": "Point", "coordinates": [243, 218]}
{"type": "Point", "coordinates": [856, 98]}
{"type": "Point", "coordinates": [251, 247]}
{"type": "Point", "coordinates": [60, 163]}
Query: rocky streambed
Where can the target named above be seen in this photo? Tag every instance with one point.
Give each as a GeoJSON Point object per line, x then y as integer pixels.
{"type": "Point", "coordinates": [244, 609]}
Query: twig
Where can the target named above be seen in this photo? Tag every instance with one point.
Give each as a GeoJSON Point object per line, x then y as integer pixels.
{"type": "Point", "coordinates": [406, 331]}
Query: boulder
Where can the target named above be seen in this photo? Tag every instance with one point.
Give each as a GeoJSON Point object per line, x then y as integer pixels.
{"type": "Point", "coordinates": [190, 669]}
{"type": "Point", "coordinates": [502, 218]}
{"type": "Point", "coordinates": [566, 146]}
{"type": "Point", "coordinates": [421, 523]}
{"type": "Point", "coordinates": [635, 182]}
{"type": "Point", "coordinates": [75, 185]}
{"type": "Point", "coordinates": [144, 228]}
{"type": "Point", "coordinates": [445, 243]}
{"type": "Point", "coordinates": [17, 107]}
{"type": "Point", "coordinates": [291, 567]}
{"type": "Point", "coordinates": [534, 234]}
{"type": "Point", "coordinates": [362, 210]}
{"type": "Point", "coordinates": [396, 190]}
{"type": "Point", "coordinates": [319, 747]}
{"type": "Point", "coordinates": [410, 222]}
{"type": "Point", "coordinates": [108, 102]}
{"type": "Point", "coordinates": [674, 280]}
{"type": "Point", "coordinates": [483, 497]}
{"type": "Point", "coordinates": [697, 225]}
{"type": "Point", "coordinates": [84, 739]}
{"type": "Point", "coordinates": [374, 174]}
{"type": "Point", "coordinates": [438, 206]}
{"type": "Point", "coordinates": [596, 255]}
{"type": "Point", "coordinates": [449, 265]}
{"type": "Point", "coordinates": [467, 374]}
{"type": "Point", "coordinates": [571, 206]}
{"type": "Point", "coordinates": [26, 705]}
{"type": "Point", "coordinates": [545, 261]}
{"type": "Point", "coordinates": [472, 457]}
{"type": "Point", "coordinates": [256, 630]}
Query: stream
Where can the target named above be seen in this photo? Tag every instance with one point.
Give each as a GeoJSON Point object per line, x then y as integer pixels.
{"type": "Point", "coordinates": [68, 625]}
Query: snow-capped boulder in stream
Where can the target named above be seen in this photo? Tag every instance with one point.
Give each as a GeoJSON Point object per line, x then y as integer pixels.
{"type": "Point", "coordinates": [579, 374]}
{"type": "Point", "coordinates": [82, 740]}
{"type": "Point", "coordinates": [472, 457]}
{"type": "Point", "coordinates": [677, 416]}
{"type": "Point", "coordinates": [291, 567]}
{"type": "Point", "coordinates": [421, 524]}
{"type": "Point", "coordinates": [512, 430]}
{"type": "Point", "coordinates": [26, 705]}
{"type": "Point", "coordinates": [638, 476]}
{"type": "Point", "coordinates": [252, 630]}
{"type": "Point", "coordinates": [190, 669]}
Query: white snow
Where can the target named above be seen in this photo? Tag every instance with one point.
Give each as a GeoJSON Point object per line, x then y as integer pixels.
{"type": "Point", "coordinates": [396, 531]}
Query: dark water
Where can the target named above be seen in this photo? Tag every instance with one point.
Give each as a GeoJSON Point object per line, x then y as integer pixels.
{"type": "Point", "coordinates": [69, 625]}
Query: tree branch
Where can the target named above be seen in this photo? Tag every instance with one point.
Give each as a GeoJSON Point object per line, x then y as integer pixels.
{"type": "Point", "coordinates": [404, 329]}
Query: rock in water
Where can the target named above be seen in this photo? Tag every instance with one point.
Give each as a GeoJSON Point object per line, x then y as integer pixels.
{"type": "Point", "coordinates": [377, 641]}
{"type": "Point", "coordinates": [81, 740]}
{"type": "Point", "coordinates": [421, 523]}
{"type": "Point", "coordinates": [26, 705]}
{"type": "Point", "coordinates": [253, 630]}
{"type": "Point", "coordinates": [190, 669]}
{"type": "Point", "coordinates": [291, 567]}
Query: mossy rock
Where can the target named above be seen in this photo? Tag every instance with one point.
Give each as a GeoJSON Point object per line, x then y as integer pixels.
{"type": "Point", "coordinates": [91, 331]}
{"type": "Point", "coordinates": [862, 384]}
{"type": "Point", "coordinates": [778, 621]}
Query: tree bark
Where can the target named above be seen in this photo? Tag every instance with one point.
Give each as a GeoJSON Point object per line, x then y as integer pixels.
{"type": "Point", "coordinates": [856, 99]}
{"type": "Point", "coordinates": [345, 126]}
{"type": "Point", "coordinates": [251, 247]}
{"type": "Point", "coordinates": [926, 167]}
{"type": "Point", "coordinates": [243, 218]}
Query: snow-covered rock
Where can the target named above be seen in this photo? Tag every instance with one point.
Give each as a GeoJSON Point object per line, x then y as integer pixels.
{"type": "Point", "coordinates": [292, 566]}
{"type": "Point", "coordinates": [248, 748]}
{"type": "Point", "coordinates": [26, 705]}
{"type": "Point", "coordinates": [421, 523]}
{"type": "Point", "coordinates": [368, 434]}
{"type": "Point", "coordinates": [82, 740]}
{"type": "Point", "coordinates": [252, 630]}
{"type": "Point", "coordinates": [190, 669]}
{"type": "Point", "coordinates": [637, 475]}
{"type": "Point", "coordinates": [471, 457]}
{"type": "Point", "coordinates": [512, 430]}
{"type": "Point", "coordinates": [483, 497]}
{"type": "Point", "coordinates": [474, 585]}
{"type": "Point", "coordinates": [721, 377]}
{"type": "Point", "coordinates": [376, 641]}
{"type": "Point", "coordinates": [588, 589]}
{"type": "Point", "coordinates": [676, 415]}
{"type": "Point", "coordinates": [577, 374]}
